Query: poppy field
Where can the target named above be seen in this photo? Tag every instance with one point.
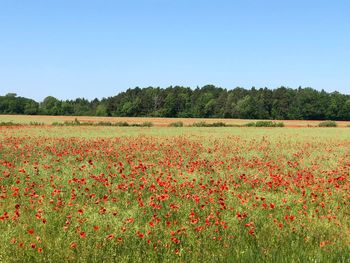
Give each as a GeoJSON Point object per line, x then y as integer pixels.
{"type": "Point", "coordinates": [160, 194]}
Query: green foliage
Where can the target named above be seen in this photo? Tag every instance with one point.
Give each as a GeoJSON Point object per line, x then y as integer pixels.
{"type": "Point", "coordinates": [103, 123]}
{"type": "Point", "coordinates": [218, 124]}
{"type": "Point", "coordinates": [76, 122]}
{"type": "Point", "coordinates": [9, 123]}
{"type": "Point", "coordinates": [264, 124]}
{"type": "Point", "coordinates": [269, 124]}
{"type": "Point", "coordinates": [121, 124]}
{"type": "Point", "coordinates": [101, 110]}
{"type": "Point", "coordinates": [205, 124]}
{"type": "Point", "coordinates": [327, 124]}
{"type": "Point", "coordinates": [35, 123]}
{"type": "Point", "coordinates": [176, 124]}
{"type": "Point", "coordinates": [200, 124]}
{"type": "Point", "coordinates": [250, 124]}
{"type": "Point", "coordinates": [147, 124]}
{"type": "Point", "coordinates": [205, 102]}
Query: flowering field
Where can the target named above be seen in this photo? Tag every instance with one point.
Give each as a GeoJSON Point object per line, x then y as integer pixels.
{"type": "Point", "coordinates": [104, 194]}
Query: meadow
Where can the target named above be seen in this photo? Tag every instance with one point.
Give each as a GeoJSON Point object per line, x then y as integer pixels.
{"type": "Point", "coordinates": [162, 194]}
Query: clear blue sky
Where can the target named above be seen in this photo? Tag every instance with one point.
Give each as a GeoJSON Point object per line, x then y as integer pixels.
{"type": "Point", "coordinates": [85, 48]}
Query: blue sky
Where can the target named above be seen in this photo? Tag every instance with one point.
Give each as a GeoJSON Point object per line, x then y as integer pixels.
{"type": "Point", "coordinates": [85, 48]}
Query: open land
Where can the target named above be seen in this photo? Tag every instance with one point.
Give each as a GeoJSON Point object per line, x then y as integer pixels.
{"type": "Point", "coordinates": [158, 122]}
{"type": "Point", "coordinates": [162, 194]}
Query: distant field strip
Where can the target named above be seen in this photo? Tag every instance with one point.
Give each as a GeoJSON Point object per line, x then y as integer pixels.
{"type": "Point", "coordinates": [158, 122]}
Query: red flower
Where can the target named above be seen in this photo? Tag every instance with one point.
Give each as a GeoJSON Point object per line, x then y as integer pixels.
{"type": "Point", "coordinates": [111, 236]}
{"type": "Point", "coordinates": [140, 235]}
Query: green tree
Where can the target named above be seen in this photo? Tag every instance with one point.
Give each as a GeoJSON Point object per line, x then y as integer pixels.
{"type": "Point", "coordinates": [101, 110]}
{"type": "Point", "coordinates": [51, 106]}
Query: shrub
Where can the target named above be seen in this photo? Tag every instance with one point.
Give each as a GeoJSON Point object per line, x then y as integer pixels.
{"type": "Point", "coordinates": [103, 123]}
{"type": "Point", "coordinates": [218, 124]}
{"type": "Point", "coordinates": [327, 124]}
{"type": "Point", "coordinates": [200, 124]}
{"type": "Point", "coordinates": [10, 123]}
{"type": "Point", "coordinates": [35, 123]}
{"type": "Point", "coordinates": [264, 124]}
{"type": "Point", "coordinates": [57, 123]}
{"type": "Point", "coordinates": [176, 124]}
{"type": "Point", "coordinates": [279, 124]}
{"type": "Point", "coordinates": [72, 123]}
{"type": "Point", "coordinates": [233, 125]}
{"type": "Point", "coordinates": [250, 124]}
{"type": "Point", "coordinates": [108, 123]}
{"type": "Point", "coordinates": [121, 123]}
{"type": "Point", "coordinates": [204, 124]}
{"type": "Point", "coordinates": [77, 123]}
{"type": "Point", "coordinates": [146, 124]}
{"type": "Point", "coordinates": [268, 124]}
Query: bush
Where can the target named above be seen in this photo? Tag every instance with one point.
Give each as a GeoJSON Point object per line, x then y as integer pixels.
{"type": "Point", "coordinates": [57, 123]}
{"type": "Point", "coordinates": [268, 124]}
{"type": "Point", "coordinates": [264, 124]}
{"type": "Point", "coordinates": [10, 123]}
{"type": "Point", "coordinates": [146, 124]}
{"type": "Point", "coordinates": [234, 125]}
{"type": "Point", "coordinates": [103, 123]}
{"type": "Point", "coordinates": [279, 124]}
{"type": "Point", "coordinates": [77, 123]}
{"type": "Point", "coordinates": [72, 123]}
{"type": "Point", "coordinates": [250, 124]}
{"type": "Point", "coordinates": [327, 124]}
{"type": "Point", "coordinates": [121, 123]}
{"type": "Point", "coordinates": [108, 123]}
{"type": "Point", "coordinates": [176, 124]}
{"type": "Point", "coordinates": [204, 124]}
{"type": "Point", "coordinates": [218, 124]}
{"type": "Point", "coordinates": [35, 123]}
{"type": "Point", "coordinates": [200, 124]}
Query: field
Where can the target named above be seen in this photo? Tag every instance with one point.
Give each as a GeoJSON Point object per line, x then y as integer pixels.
{"type": "Point", "coordinates": [161, 194]}
{"type": "Point", "coordinates": [158, 122]}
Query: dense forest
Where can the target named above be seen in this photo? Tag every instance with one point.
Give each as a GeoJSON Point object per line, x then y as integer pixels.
{"type": "Point", "coordinates": [206, 102]}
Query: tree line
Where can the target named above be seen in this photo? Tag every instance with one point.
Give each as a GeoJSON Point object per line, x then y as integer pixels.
{"type": "Point", "coordinates": [206, 102]}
